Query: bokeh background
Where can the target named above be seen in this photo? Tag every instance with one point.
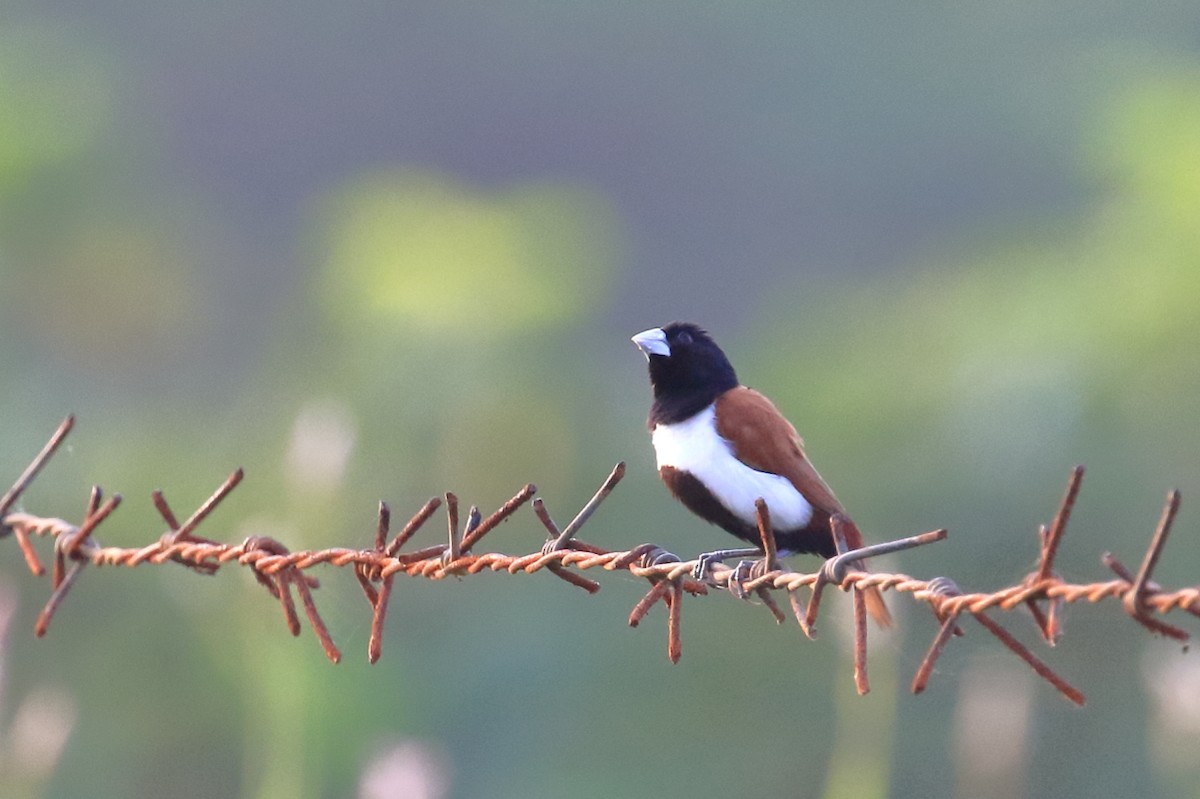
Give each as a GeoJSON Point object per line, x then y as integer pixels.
{"type": "Point", "coordinates": [385, 250]}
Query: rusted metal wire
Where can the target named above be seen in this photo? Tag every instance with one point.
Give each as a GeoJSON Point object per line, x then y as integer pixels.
{"type": "Point", "coordinates": [280, 570]}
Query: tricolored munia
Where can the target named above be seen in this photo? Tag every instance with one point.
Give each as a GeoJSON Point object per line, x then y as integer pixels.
{"type": "Point", "coordinates": [721, 446]}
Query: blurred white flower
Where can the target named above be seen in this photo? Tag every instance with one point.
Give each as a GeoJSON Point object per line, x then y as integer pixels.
{"type": "Point", "coordinates": [992, 728]}
{"type": "Point", "coordinates": [1173, 683]}
{"type": "Point", "coordinates": [34, 740]}
{"type": "Point", "coordinates": [410, 769]}
{"type": "Point", "coordinates": [323, 437]}
{"type": "Point", "coordinates": [40, 730]}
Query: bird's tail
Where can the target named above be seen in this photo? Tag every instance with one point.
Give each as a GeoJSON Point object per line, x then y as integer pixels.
{"type": "Point", "coordinates": [876, 607]}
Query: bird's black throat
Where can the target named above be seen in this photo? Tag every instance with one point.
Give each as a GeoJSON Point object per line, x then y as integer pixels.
{"type": "Point", "coordinates": [689, 379]}
{"type": "Point", "coordinates": [672, 409]}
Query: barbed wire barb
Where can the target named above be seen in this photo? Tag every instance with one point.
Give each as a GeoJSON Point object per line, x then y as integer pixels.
{"type": "Point", "coordinates": [563, 554]}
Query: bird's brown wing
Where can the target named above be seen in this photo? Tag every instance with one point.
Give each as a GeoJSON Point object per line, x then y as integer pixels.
{"type": "Point", "coordinates": [764, 440]}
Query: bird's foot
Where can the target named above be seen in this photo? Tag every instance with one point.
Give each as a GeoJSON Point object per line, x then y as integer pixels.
{"type": "Point", "coordinates": [705, 560]}
{"type": "Point", "coordinates": [704, 563]}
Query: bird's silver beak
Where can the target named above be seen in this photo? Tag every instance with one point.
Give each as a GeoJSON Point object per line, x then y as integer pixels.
{"type": "Point", "coordinates": [652, 342]}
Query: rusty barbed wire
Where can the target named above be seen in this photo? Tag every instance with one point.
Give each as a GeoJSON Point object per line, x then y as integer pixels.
{"type": "Point", "coordinates": [280, 570]}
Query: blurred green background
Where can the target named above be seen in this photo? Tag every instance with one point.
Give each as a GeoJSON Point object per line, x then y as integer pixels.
{"type": "Point", "coordinates": [385, 250]}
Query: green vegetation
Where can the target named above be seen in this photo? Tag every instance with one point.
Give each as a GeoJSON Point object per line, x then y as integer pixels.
{"type": "Point", "coordinates": [384, 260]}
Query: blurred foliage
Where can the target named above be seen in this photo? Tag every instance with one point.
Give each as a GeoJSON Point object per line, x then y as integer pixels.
{"type": "Point", "coordinates": [229, 237]}
{"type": "Point", "coordinates": [56, 95]}
{"type": "Point", "coordinates": [1147, 142]}
{"type": "Point", "coordinates": [410, 248]}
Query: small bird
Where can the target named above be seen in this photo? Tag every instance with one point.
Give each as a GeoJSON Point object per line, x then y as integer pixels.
{"type": "Point", "coordinates": [721, 446]}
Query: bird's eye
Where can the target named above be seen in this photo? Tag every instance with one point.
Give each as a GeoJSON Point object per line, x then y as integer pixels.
{"type": "Point", "coordinates": [685, 337]}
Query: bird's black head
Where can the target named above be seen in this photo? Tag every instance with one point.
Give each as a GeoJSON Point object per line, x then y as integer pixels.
{"type": "Point", "coordinates": [687, 370]}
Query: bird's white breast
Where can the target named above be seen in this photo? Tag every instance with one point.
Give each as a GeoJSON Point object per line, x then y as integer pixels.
{"type": "Point", "coordinates": [695, 446]}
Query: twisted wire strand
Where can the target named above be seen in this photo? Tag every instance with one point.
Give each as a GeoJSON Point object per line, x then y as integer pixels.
{"type": "Point", "coordinates": [281, 570]}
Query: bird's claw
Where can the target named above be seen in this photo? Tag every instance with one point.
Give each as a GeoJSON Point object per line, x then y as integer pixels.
{"type": "Point", "coordinates": [704, 564]}
{"type": "Point", "coordinates": [737, 578]}
{"type": "Point", "coordinates": [705, 560]}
